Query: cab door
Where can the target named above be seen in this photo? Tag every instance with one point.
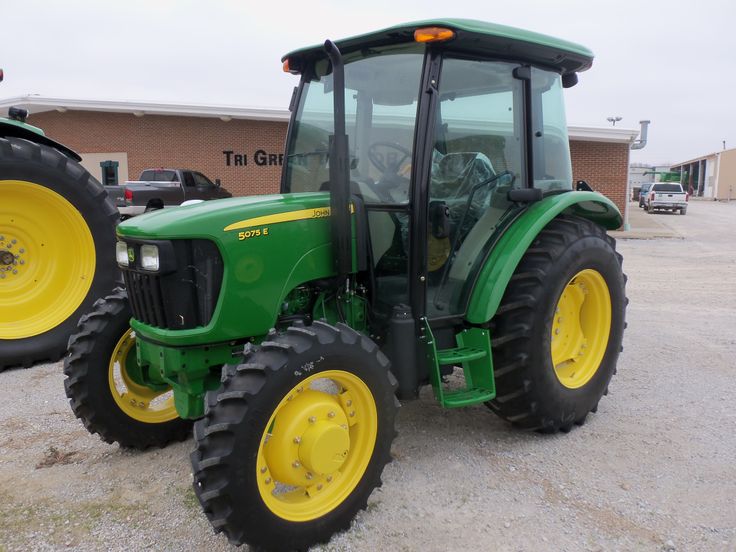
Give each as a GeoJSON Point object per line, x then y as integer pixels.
{"type": "Point", "coordinates": [477, 157]}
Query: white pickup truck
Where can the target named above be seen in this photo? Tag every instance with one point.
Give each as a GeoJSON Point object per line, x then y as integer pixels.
{"type": "Point", "coordinates": [666, 196]}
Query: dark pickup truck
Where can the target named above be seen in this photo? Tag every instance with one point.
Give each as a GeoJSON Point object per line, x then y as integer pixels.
{"type": "Point", "coordinates": [159, 188]}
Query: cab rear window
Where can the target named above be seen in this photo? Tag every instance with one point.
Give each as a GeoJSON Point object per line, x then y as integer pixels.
{"type": "Point", "coordinates": [158, 176]}
{"type": "Point", "coordinates": [666, 188]}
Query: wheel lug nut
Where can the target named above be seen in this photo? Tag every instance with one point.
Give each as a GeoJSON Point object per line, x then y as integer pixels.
{"type": "Point", "coordinates": [312, 419]}
{"type": "Point", "coordinates": [352, 413]}
{"type": "Point", "coordinates": [319, 487]}
{"type": "Point", "coordinates": [330, 414]}
{"type": "Point", "coordinates": [297, 440]}
{"type": "Point", "coordinates": [296, 464]}
{"type": "Point", "coordinates": [268, 481]}
{"type": "Point", "coordinates": [557, 331]}
{"type": "Point", "coordinates": [21, 250]}
{"type": "Point", "coordinates": [264, 469]}
{"type": "Point", "coordinates": [308, 476]}
{"type": "Point", "coordinates": [14, 241]}
{"type": "Point", "coordinates": [329, 478]}
{"type": "Point", "coordinates": [349, 403]}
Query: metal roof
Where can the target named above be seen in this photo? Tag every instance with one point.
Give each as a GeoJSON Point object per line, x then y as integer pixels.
{"type": "Point", "coordinates": [36, 103]}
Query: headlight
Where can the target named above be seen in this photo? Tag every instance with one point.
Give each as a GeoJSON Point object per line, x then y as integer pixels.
{"type": "Point", "coordinates": [121, 253]}
{"type": "Point", "coordinates": [149, 257]}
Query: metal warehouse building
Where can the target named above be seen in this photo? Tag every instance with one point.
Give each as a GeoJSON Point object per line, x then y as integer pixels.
{"type": "Point", "coordinates": [712, 175]}
{"type": "Point", "coordinates": [243, 147]}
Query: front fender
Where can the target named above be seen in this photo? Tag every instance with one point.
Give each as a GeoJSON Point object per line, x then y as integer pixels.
{"type": "Point", "coordinates": [506, 255]}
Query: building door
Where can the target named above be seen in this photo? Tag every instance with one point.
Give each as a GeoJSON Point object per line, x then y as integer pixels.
{"type": "Point", "coordinates": [109, 172]}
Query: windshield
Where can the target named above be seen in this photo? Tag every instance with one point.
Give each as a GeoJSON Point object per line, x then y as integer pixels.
{"type": "Point", "coordinates": [381, 91]}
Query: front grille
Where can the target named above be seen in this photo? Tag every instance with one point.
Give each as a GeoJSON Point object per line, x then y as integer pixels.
{"type": "Point", "coordinates": [184, 293]}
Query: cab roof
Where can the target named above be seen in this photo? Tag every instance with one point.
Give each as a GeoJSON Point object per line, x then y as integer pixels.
{"type": "Point", "coordinates": [472, 37]}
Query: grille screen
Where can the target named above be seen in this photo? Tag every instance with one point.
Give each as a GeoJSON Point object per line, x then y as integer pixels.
{"type": "Point", "coordinates": [182, 298]}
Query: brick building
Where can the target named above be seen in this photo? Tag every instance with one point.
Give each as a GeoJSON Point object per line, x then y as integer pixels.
{"type": "Point", "coordinates": [243, 147]}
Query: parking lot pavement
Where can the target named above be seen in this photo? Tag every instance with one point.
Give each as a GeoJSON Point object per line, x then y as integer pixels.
{"type": "Point", "coordinates": [652, 470]}
{"type": "Point", "coordinates": [645, 226]}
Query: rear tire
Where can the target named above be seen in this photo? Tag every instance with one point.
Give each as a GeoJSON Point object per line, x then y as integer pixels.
{"type": "Point", "coordinates": [572, 268]}
{"type": "Point", "coordinates": [64, 230]}
{"type": "Point", "coordinates": [253, 437]}
{"type": "Point", "coordinates": [93, 394]}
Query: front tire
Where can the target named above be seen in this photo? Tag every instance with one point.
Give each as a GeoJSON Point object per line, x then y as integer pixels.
{"type": "Point", "coordinates": [559, 328]}
{"type": "Point", "coordinates": [57, 247]}
{"type": "Point", "coordinates": [295, 440]}
{"type": "Point", "coordinates": [101, 391]}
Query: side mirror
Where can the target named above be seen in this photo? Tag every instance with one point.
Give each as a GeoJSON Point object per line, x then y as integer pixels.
{"type": "Point", "coordinates": [569, 80]}
{"type": "Point", "coordinates": [439, 218]}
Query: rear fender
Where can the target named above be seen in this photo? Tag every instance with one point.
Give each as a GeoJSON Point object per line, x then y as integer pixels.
{"type": "Point", "coordinates": [17, 129]}
{"type": "Point", "coordinates": [506, 255]}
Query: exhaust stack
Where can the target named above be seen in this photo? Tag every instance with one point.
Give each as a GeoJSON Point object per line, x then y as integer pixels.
{"type": "Point", "coordinates": [642, 141]}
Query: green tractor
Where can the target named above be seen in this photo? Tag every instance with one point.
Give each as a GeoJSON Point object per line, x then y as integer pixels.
{"type": "Point", "coordinates": [426, 222]}
{"type": "Point", "coordinates": [57, 231]}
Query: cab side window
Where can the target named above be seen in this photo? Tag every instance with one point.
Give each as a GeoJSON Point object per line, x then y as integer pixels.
{"type": "Point", "coordinates": [188, 179]}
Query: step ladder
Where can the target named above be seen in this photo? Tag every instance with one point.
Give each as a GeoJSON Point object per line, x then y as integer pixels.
{"type": "Point", "coordinates": [473, 353]}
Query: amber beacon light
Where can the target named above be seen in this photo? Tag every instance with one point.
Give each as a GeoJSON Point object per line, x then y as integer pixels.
{"type": "Point", "coordinates": [433, 34]}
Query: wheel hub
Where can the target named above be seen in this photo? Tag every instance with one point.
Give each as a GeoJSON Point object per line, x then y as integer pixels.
{"type": "Point", "coordinates": [324, 447]}
{"type": "Point", "coordinates": [309, 438]}
{"type": "Point", "coordinates": [11, 257]}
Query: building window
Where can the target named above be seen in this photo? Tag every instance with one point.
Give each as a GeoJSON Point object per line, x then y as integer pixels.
{"type": "Point", "coordinates": [109, 173]}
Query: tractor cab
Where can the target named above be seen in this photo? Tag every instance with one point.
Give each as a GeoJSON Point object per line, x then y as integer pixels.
{"type": "Point", "coordinates": [450, 135]}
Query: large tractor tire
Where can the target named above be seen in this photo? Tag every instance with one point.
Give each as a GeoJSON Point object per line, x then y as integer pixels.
{"type": "Point", "coordinates": [100, 388]}
{"type": "Point", "coordinates": [57, 250]}
{"type": "Point", "coordinates": [295, 440]}
{"type": "Point", "coordinates": [558, 331]}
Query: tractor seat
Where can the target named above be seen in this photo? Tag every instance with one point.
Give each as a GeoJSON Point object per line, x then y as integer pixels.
{"type": "Point", "coordinates": [455, 174]}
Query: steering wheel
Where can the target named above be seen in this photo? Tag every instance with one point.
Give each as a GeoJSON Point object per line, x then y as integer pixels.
{"type": "Point", "coordinates": [387, 169]}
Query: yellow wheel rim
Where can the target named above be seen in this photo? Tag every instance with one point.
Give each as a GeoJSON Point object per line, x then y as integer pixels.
{"type": "Point", "coordinates": [47, 259]}
{"type": "Point", "coordinates": [137, 401]}
{"type": "Point", "coordinates": [317, 445]}
{"type": "Point", "coordinates": [580, 329]}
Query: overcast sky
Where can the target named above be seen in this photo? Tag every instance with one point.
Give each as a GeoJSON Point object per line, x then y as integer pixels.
{"type": "Point", "coordinates": [673, 62]}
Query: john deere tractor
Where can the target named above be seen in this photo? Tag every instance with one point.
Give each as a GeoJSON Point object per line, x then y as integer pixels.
{"type": "Point", "coordinates": [426, 224]}
{"type": "Point", "coordinates": [57, 228]}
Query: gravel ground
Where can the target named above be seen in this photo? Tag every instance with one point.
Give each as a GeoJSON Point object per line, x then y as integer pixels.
{"type": "Point", "coordinates": [652, 470]}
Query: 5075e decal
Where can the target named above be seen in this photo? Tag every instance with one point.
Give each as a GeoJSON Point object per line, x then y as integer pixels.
{"type": "Point", "coordinates": [254, 233]}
